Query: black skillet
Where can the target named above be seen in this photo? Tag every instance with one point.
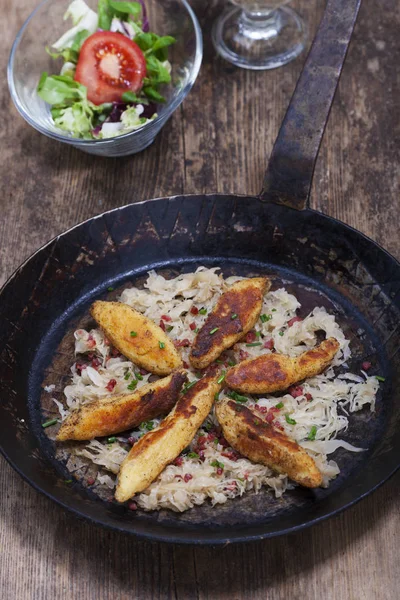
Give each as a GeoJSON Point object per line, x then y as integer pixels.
{"type": "Point", "coordinates": [324, 260]}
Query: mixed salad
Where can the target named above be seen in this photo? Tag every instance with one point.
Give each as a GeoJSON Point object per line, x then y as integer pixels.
{"type": "Point", "coordinates": [113, 69]}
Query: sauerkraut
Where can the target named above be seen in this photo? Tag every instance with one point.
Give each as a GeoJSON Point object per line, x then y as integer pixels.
{"type": "Point", "coordinates": [314, 415]}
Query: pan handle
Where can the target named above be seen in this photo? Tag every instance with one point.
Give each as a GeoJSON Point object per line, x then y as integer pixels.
{"type": "Point", "coordinates": [291, 166]}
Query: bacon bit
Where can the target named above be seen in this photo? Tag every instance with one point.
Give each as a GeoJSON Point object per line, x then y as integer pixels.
{"type": "Point", "coordinates": [181, 343]}
{"type": "Point", "coordinates": [278, 425]}
{"type": "Point", "coordinates": [243, 355]}
{"type": "Point", "coordinates": [79, 367]}
{"type": "Point", "coordinates": [132, 440]}
{"type": "Point", "coordinates": [192, 326]}
{"type": "Point", "coordinates": [232, 455]}
{"type": "Point", "coordinates": [295, 391]}
{"type": "Point", "coordinates": [143, 372]}
{"type": "Point", "coordinates": [211, 437]}
{"type": "Point", "coordinates": [269, 344]}
{"type": "Point", "coordinates": [223, 442]}
{"type": "Point", "coordinates": [261, 409]}
{"type": "Point", "coordinates": [91, 480]}
{"type": "Point", "coordinates": [178, 462]}
{"type": "Point", "coordinates": [251, 337]}
{"type": "Point", "coordinates": [185, 364]}
{"type": "Point", "coordinates": [202, 455]}
{"type": "Point", "coordinates": [91, 355]}
{"type": "Point", "coordinates": [246, 476]}
{"type": "Point", "coordinates": [366, 365]}
{"type": "Point", "coordinates": [201, 440]}
{"type": "Point", "coordinates": [294, 320]}
{"type": "Point", "coordinates": [270, 417]}
{"type": "Point", "coordinates": [96, 363]}
{"type": "Point", "coordinates": [187, 477]}
{"type": "Point", "coordinates": [194, 310]}
{"type": "Point", "coordinates": [132, 506]}
{"type": "Point", "coordinates": [162, 325]}
{"type": "Point", "coordinates": [217, 429]}
{"type": "Point", "coordinates": [308, 396]}
{"type": "Point", "coordinates": [166, 318]}
{"type": "Point", "coordinates": [231, 487]}
{"type": "Point", "coordinates": [219, 471]}
{"type": "Point", "coordinates": [114, 352]}
{"type": "Point", "coordinates": [111, 385]}
{"type": "Point", "coordinates": [106, 341]}
{"type": "Point", "coordinates": [91, 343]}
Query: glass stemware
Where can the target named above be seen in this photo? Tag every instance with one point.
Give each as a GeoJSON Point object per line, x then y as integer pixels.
{"type": "Point", "coordinates": [259, 34]}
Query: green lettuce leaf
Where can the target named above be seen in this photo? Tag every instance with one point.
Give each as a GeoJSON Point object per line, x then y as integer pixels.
{"type": "Point", "coordinates": [60, 89]}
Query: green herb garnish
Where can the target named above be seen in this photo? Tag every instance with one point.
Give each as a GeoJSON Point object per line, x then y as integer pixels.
{"type": "Point", "coordinates": [110, 289]}
{"type": "Point", "coordinates": [290, 420]}
{"type": "Point", "coordinates": [162, 345]}
{"type": "Point", "coordinates": [203, 311]}
{"type": "Point", "coordinates": [49, 423]}
{"type": "Point", "coordinates": [281, 333]}
{"type": "Point", "coordinates": [237, 397]}
{"type": "Point", "coordinates": [139, 376]}
{"type": "Point", "coordinates": [217, 464]}
{"type": "Point", "coordinates": [188, 386]}
{"type": "Point", "coordinates": [111, 440]}
{"type": "Point", "coordinates": [231, 363]}
{"type": "Point", "coordinates": [132, 385]}
{"type": "Point", "coordinates": [264, 318]}
{"type": "Point", "coordinates": [193, 455]}
{"type": "Point", "coordinates": [133, 334]}
{"type": "Point", "coordinates": [234, 316]}
{"type": "Point", "coordinates": [279, 405]}
{"type": "Point", "coordinates": [214, 330]}
{"type": "Point", "coordinates": [221, 377]}
{"type": "Point", "coordinates": [149, 425]}
{"type": "Point", "coordinates": [170, 328]}
{"type": "Point", "coordinates": [216, 396]}
{"type": "Point", "coordinates": [254, 344]}
{"type": "Point", "coordinates": [127, 376]}
{"type": "Point", "coordinates": [380, 378]}
{"type": "Point", "coordinates": [312, 434]}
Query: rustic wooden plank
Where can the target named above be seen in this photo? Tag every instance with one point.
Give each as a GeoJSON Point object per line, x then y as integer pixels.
{"type": "Point", "coordinates": [218, 141]}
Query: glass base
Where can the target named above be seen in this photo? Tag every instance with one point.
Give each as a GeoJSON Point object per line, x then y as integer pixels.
{"type": "Point", "coordinates": [259, 41]}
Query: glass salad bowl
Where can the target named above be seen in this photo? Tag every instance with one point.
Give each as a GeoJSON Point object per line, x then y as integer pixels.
{"type": "Point", "coordinates": [29, 59]}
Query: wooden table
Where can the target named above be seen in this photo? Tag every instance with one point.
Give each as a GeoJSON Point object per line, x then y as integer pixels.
{"type": "Point", "coordinates": [219, 140]}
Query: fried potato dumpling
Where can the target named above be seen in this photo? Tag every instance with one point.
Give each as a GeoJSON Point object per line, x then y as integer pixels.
{"type": "Point", "coordinates": [235, 313]}
{"type": "Point", "coordinates": [136, 337]}
{"type": "Point", "coordinates": [120, 412]}
{"type": "Point", "coordinates": [274, 372]}
{"type": "Point", "coordinates": [261, 443]}
{"type": "Point", "coordinates": [156, 449]}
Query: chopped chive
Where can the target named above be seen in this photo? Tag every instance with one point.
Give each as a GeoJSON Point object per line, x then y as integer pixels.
{"type": "Point", "coordinates": [133, 334]}
{"type": "Point", "coordinates": [111, 440]}
{"type": "Point", "coordinates": [162, 345]}
{"type": "Point", "coordinates": [149, 425]}
{"type": "Point", "coordinates": [139, 376]}
{"type": "Point", "coordinates": [217, 464]}
{"type": "Point", "coordinates": [221, 377]}
{"type": "Point", "coordinates": [264, 318]}
{"type": "Point", "coordinates": [379, 378]}
{"type": "Point", "coordinates": [231, 363]}
{"type": "Point", "coordinates": [254, 344]}
{"type": "Point", "coordinates": [170, 328]}
{"type": "Point", "coordinates": [193, 455]}
{"type": "Point", "coordinates": [110, 289]}
{"type": "Point", "coordinates": [290, 420]}
{"type": "Point", "coordinates": [189, 385]}
{"type": "Point", "coordinates": [237, 397]}
{"type": "Point", "coordinates": [208, 426]}
{"type": "Point", "coordinates": [281, 333]}
{"type": "Point", "coordinates": [279, 405]}
{"type": "Point", "coordinates": [312, 434]}
{"type": "Point", "coordinates": [216, 396]}
{"type": "Point", "coordinates": [197, 330]}
{"type": "Point", "coordinates": [49, 423]}
{"type": "Point", "coordinates": [273, 309]}
{"type": "Point", "coordinates": [258, 334]}
{"type": "Point", "coordinates": [68, 481]}
{"type": "Point", "coordinates": [220, 362]}
{"type": "Point", "coordinates": [257, 422]}
{"type": "Point", "coordinates": [214, 330]}
{"type": "Point", "coordinates": [127, 376]}
{"type": "Point", "coordinates": [234, 316]}
{"type": "Point", "coordinates": [203, 311]}
{"type": "Point", "coordinates": [132, 385]}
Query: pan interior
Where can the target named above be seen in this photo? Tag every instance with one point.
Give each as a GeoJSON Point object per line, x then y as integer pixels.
{"type": "Point", "coordinates": [365, 427]}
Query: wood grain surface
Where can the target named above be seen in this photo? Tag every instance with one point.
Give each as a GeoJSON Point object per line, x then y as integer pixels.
{"type": "Point", "coordinates": [219, 140]}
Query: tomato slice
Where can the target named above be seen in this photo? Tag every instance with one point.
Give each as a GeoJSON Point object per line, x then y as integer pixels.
{"type": "Point", "coordinates": [110, 64]}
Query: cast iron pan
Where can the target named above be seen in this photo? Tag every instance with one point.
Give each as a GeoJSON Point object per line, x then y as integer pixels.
{"type": "Point", "coordinates": [323, 260]}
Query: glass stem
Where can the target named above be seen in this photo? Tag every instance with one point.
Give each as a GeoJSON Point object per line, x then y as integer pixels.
{"type": "Point", "coordinates": [260, 25]}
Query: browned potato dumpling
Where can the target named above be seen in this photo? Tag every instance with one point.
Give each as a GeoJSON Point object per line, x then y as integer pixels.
{"type": "Point", "coordinates": [253, 437]}
{"type": "Point", "coordinates": [136, 337]}
{"type": "Point", "coordinates": [158, 448]}
{"type": "Point", "coordinates": [120, 412]}
{"type": "Point", "coordinates": [274, 372]}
